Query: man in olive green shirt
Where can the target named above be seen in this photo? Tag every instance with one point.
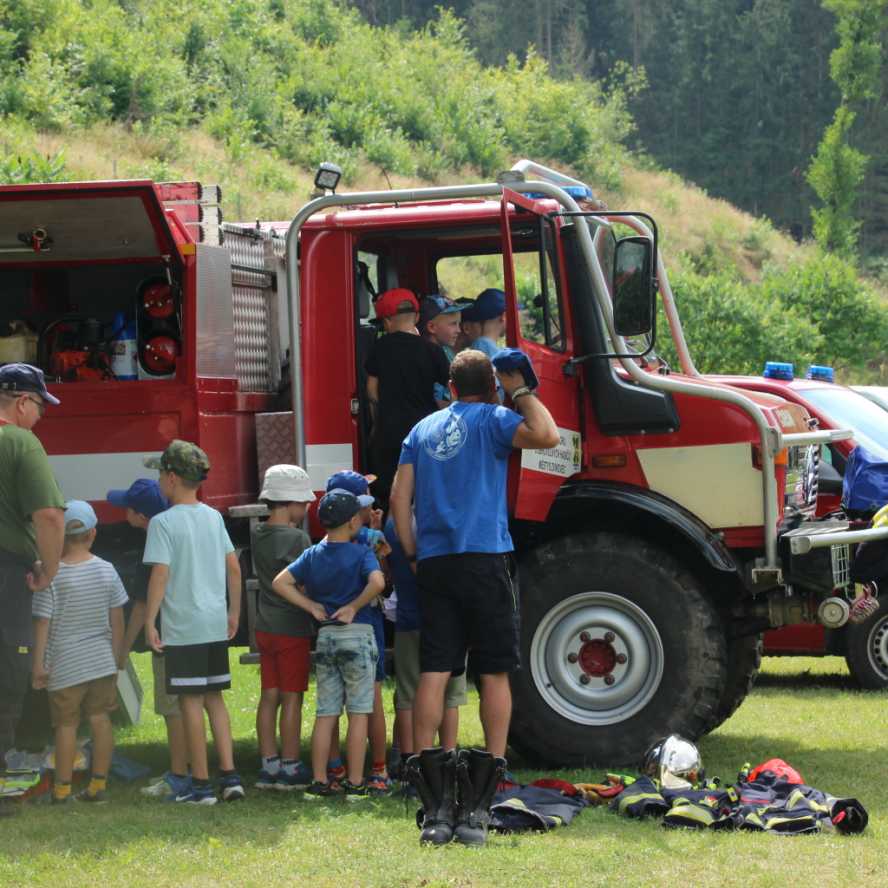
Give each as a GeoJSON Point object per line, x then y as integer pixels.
{"type": "Point", "coordinates": [32, 531]}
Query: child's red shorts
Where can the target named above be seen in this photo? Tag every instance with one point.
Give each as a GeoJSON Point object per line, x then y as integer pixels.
{"type": "Point", "coordinates": [284, 662]}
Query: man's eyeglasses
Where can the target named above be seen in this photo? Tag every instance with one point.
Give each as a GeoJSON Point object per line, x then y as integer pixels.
{"type": "Point", "coordinates": [41, 404]}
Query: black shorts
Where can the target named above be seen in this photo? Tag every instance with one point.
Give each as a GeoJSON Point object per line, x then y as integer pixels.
{"type": "Point", "coordinates": [197, 668]}
{"type": "Point", "coordinates": [468, 604]}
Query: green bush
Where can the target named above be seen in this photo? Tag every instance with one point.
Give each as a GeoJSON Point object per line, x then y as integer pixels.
{"type": "Point", "coordinates": [17, 169]}
{"type": "Point", "coordinates": [731, 329]}
{"type": "Point", "coordinates": [814, 311]}
{"type": "Point", "coordinates": [852, 321]}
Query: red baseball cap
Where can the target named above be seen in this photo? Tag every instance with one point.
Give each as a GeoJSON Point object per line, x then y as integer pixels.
{"type": "Point", "coordinates": [397, 301]}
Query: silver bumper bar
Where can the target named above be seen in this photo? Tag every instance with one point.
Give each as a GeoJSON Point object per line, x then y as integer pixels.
{"type": "Point", "coordinates": [827, 436]}
{"type": "Point", "coordinates": [799, 545]}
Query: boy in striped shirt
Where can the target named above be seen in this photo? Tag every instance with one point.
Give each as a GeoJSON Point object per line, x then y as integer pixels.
{"type": "Point", "coordinates": [78, 629]}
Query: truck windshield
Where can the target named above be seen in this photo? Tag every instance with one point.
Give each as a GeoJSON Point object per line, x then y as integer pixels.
{"type": "Point", "coordinates": [852, 411]}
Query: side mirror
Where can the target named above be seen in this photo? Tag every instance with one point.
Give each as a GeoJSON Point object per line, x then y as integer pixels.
{"type": "Point", "coordinates": [829, 480]}
{"type": "Point", "coordinates": [634, 290]}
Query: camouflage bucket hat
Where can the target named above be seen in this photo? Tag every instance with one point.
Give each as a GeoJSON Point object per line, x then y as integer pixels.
{"type": "Point", "coordinates": [183, 458]}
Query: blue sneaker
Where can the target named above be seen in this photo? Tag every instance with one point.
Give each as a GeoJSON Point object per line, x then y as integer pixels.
{"type": "Point", "coordinates": [175, 787]}
{"type": "Point", "coordinates": [267, 780]}
{"type": "Point", "coordinates": [301, 778]}
{"type": "Point", "coordinates": [232, 788]}
{"type": "Point", "coordinates": [197, 795]}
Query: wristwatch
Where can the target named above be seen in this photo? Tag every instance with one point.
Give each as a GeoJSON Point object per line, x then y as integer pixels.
{"type": "Point", "coordinates": [410, 558]}
{"type": "Point", "coordinates": [520, 392]}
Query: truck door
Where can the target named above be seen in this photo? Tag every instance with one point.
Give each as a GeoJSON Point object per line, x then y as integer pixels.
{"type": "Point", "coordinates": [538, 322]}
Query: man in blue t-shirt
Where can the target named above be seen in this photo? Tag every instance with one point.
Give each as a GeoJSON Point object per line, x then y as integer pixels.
{"type": "Point", "coordinates": [454, 465]}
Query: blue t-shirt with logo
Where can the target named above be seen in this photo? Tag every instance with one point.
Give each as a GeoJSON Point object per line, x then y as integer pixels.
{"type": "Point", "coordinates": [460, 459]}
{"type": "Point", "coordinates": [335, 574]}
{"type": "Point", "coordinates": [404, 580]}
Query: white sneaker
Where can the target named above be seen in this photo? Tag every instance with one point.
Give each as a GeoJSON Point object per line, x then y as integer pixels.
{"type": "Point", "coordinates": [157, 788]}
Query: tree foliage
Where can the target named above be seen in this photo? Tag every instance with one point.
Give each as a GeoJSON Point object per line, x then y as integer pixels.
{"type": "Point", "coordinates": [838, 168]}
{"type": "Point", "coordinates": [309, 79]}
{"type": "Point", "coordinates": [814, 311]}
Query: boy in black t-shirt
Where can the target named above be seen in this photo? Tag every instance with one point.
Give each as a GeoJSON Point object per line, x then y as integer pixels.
{"type": "Point", "coordinates": [402, 370]}
{"type": "Point", "coordinates": [142, 501]}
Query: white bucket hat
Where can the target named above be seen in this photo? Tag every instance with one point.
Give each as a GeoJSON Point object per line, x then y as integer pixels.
{"type": "Point", "coordinates": [287, 484]}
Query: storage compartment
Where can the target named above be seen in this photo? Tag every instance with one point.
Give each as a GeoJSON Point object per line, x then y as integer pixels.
{"type": "Point", "coordinates": [90, 280]}
{"type": "Point", "coordinates": [115, 321]}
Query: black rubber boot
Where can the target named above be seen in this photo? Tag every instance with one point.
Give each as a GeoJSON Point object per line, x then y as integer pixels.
{"type": "Point", "coordinates": [433, 773]}
{"type": "Point", "coordinates": [477, 776]}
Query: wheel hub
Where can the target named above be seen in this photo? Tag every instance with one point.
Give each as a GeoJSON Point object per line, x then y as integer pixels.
{"type": "Point", "coordinates": [597, 658]}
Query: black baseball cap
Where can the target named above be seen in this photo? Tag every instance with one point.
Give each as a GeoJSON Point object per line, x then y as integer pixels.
{"type": "Point", "coordinates": [337, 507]}
{"type": "Point", "coordinates": [24, 378]}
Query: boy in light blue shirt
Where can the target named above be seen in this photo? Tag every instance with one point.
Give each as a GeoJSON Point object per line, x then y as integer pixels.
{"type": "Point", "coordinates": [484, 323]}
{"type": "Point", "coordinates": [191, 557]}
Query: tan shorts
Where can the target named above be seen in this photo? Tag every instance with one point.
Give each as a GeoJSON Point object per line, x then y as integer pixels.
{"type": "Point", "coordinates": [95, 697]}
{"type": "Point", "coordinates": [407, 675]}
{"type": "Point", "coordinates": [164, 704]}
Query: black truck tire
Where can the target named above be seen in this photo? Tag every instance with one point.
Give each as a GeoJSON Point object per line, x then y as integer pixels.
{"type": "Point", "coordinates": [866, 649]}
{"type": "Point", "coordinates": [587, 600]}
{"type": "Point", "coordinates": [744, 662]}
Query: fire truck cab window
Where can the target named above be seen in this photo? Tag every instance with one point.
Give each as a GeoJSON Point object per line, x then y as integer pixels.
{"type": "Point", "coordinates": [539, 308]}
{"type": "Point", "coordinates": [536, 283]}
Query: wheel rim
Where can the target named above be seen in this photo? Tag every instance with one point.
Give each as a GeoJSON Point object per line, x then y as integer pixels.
{"type": "Point", "coordinates": [877, 648]}
{"type": "Point", "coordinates": [596, 658]}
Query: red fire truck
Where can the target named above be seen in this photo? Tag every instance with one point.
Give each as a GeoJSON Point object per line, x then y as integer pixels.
{"type": "Point", "coordinates": [865, 645]}
{"type": "Point", "coordinates": [658, 540]}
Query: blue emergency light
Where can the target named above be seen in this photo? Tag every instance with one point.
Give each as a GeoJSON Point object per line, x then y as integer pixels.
{"type": "Point", "coordinates": [824, 374]}
{"type": "Point", "coordinates": [577, 192]}
{"type": "Point", "coordinates": [778, 370]}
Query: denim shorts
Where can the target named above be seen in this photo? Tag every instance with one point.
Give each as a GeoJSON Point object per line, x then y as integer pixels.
{"type": "Point", "coordinates": [345, 662]}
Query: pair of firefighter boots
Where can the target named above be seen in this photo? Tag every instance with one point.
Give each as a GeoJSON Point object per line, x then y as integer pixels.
{"type": "Point", "coordinates": [456, 790]}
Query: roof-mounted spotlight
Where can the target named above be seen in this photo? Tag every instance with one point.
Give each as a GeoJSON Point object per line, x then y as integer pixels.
{"type": "Point", "coordinates": [327, 177]}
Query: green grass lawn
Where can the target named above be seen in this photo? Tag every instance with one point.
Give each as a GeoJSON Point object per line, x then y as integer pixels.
{"type": "Point", "coordinates": [803, 710]}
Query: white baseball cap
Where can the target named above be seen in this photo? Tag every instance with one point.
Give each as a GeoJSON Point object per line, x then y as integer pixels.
{"type": "Point", "coordinates": [287, 484]}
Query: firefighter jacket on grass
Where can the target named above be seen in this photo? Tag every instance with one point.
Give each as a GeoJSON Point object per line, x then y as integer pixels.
{"type": "Point", "coordinates": [774, 801]}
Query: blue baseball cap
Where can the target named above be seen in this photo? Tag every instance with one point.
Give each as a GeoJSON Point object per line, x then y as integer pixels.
{"type": "Point", "coordinates": [491, 303]}
{"type": "Point", "coordinates": [355, 483]}
{"type": "Point", "coordinates": [25, 378]}
{"type": "Point", "coordinates": [510, 359]}
{"type": "Point", "coordinates": [337, 507]}
{"type": "Point", "coordinates": [142, 496]}
{"type": "Point", "coordinates": [79, 517]}
{"type": "Point", "coordinates": [434, 305]}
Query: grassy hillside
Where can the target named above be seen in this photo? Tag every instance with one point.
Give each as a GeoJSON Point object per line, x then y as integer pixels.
{"type": "Point", "coordinates": [258, 184]}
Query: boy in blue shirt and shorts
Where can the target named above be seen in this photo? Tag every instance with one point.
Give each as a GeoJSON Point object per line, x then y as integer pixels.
{"type": "Point", "coordinates": [334, 581]}
{"type": "Point", "coordinates": [192, 557]}
{"type": "Point", "coordinates": [378, 783]}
